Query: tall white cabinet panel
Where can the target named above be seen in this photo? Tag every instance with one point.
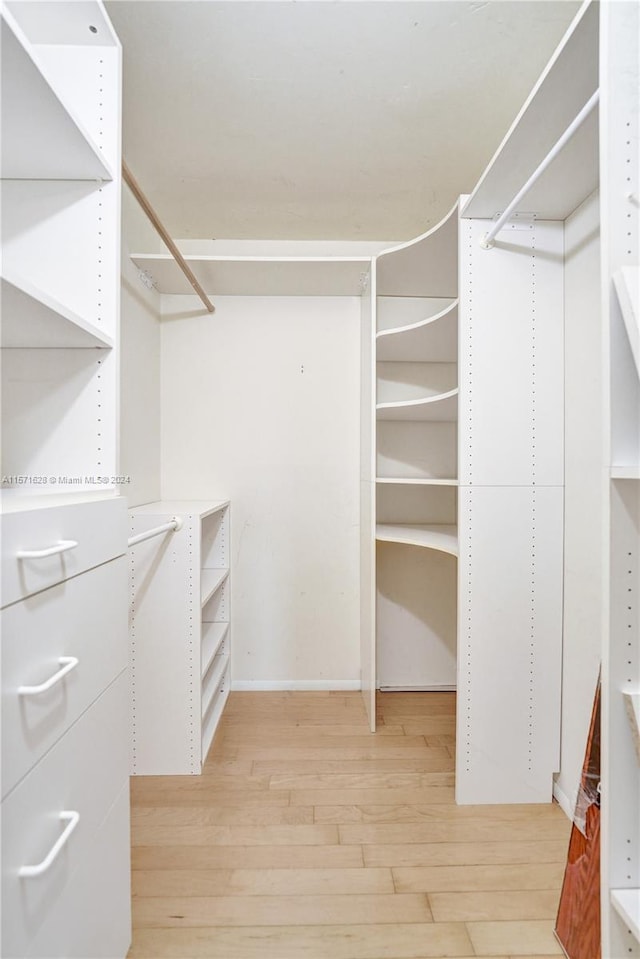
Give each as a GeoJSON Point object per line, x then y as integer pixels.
{"type": "Point", "coordinates": [367, 502]}
{"type": "Point", "coordinates": [179, 627]}
{"type": "Point", "coordinates": [510, 512]}
{"type": "Point", "coordinates": [509, 643]}
{"type": "Point", "coordinates": [620, 210]}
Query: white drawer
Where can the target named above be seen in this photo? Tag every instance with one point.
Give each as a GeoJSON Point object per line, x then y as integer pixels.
{"type": "Point", "coordinates": [93, 918]}
{"type": "Point", "coordinates": [83, 619]}
{"type": "Point", "coordinates": [82, 774]}
{"type": "Point", "coordinates": [98, 528]}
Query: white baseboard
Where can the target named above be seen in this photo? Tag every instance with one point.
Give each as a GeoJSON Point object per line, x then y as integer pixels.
{"type": "Point", "coordinates": [301, 685]}
{"type": "Point", "coordinates": [563, 801]}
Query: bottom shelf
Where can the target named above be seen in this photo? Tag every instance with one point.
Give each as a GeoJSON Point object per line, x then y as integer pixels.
{"type": "Point", "coordinates": [436, 536]}
{"type": "Point", "coordinates": [626, 903]}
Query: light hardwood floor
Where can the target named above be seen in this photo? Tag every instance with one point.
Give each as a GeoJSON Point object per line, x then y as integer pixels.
{"type": "Point", "coordinates": [308, 838]}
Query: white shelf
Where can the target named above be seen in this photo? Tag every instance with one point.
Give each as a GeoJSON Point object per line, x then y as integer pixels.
{"type": "Point", "coordinates": [625, 472]}
{"type": "Point", "coordinates": [626, 903]}
{"type": "Point", "coordinates": [211, 682]}
{"type": "Point", "coordinates": [210, 581]}
{"type": "Point", "coordinates": [41, 138]}
{"type": "Point", "coordinates": [259, 276]}
{"type": "Point", "coordinates": [435, 536]}
{"type": "Point", "coordinates": [213, 635]}
{"type": "Point", "coordinates": [433, 339]}
{"type": "Point", "coordinates": [426, 266]}
{"type": "Point", "coordinates": [411, 481]}
{"type": "Point", "coordinates": [441, 408]}
{"type": "Point", "coordinates": [31, 318]}
{"type": "Point", "coordinates": [569, 80]}
{"type": "Point", "coordinates": [627, 284]}
{"type": "Point", "coordinates": [200, 508]}
{"type": "Point", "coordinates": [212, 717]}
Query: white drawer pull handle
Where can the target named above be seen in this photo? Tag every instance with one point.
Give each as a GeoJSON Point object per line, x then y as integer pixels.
{"type": "Point", "coordinates": [72, 819]}
{"type": "Point", "coordinates": [60, 547]}
{"type": "Point", "coordinates": [67, 663]}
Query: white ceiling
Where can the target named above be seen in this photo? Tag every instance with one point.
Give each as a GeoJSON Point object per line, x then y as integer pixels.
{"type": "Point", "coordinates": [315, 120]}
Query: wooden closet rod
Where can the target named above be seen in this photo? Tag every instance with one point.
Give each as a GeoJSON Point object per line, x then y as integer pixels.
{"type": "Point", "coordinates": [132, 183]}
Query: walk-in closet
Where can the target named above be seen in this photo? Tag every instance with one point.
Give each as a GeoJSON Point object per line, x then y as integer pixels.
{"type": "Point", "coordinates": [320, 479]}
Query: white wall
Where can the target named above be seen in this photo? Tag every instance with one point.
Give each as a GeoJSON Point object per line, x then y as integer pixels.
{"type": "Point", "coordinates": [139, 365]}
{"type": "Point", "coordinates": [260, 404]}
{"type": "Point", "coordinates": [583, 491]}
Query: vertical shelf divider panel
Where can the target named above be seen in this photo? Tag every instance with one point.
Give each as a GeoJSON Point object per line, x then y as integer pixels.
{"type": "Point", "coordinates": [368, 497]}
{"type": "Point", "coordinates": [511, 513]}
{"type": "Point", "coordinates": [180, 635]}
{"type": "Point", "coordinates": [414, 366]}
{"type": "Point", "coordinates": [620, 214]}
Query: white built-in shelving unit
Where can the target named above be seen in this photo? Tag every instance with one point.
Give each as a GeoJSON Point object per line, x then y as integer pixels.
{"type": "Point", "coordinates": [60, 167]}
{"type": "Point", "coordinates": [620, 211]}
{"type": "Point", "coordinates": [414, 357]}
{"type": "Point", "coordinates": [180, 634]}
{"type": "Point", "coordinates": [65, 688]}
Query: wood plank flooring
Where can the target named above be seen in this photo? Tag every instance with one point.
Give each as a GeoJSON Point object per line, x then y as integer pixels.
{"type": "Point", "coordinates": [308, 838]}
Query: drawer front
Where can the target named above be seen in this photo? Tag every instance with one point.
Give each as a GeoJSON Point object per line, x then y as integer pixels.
{"type": "Point", "coordinates": [98, 528]}
{"type": "Point", "coordinates": [83, 619]}
{"type": "Point", "coordinates": [93, 918]}
{"type": "Point", "coordinates": [82, 775]}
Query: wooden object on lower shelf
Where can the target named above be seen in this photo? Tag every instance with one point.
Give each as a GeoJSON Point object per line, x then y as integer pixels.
{"type": "Point", "coordinates": [578, 922]}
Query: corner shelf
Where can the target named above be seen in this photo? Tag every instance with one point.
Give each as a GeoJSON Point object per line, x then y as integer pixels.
{"type": "Point", "coordinates": [434, 338]}
{"type": "Point", "coordinates": [626, 903]}
{"type": "Point", "coordinates": [440, 408]}
{"type": "Point", "coordinates": [434, 536]}
{"type": "Point", "coordinates": [33, 319]}
{"type": "Point", "coordinates": [41, 137]}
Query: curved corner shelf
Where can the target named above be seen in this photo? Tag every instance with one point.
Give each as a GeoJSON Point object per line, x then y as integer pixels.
{"type": "Point", "coordinates": [424, 266]}
{"type": "Point", "coordinates": [416, 481]}
{"type": "Point", "coordinates": [42, 139]}
{"type": "Point", "coordinates": [440, 408]}
{"type": "Point", "coordinates": [32, 318]}
{"type": "Point", "coordinates": [433, 339]}
{"type": "Point", "coordinates": [441, 537]}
